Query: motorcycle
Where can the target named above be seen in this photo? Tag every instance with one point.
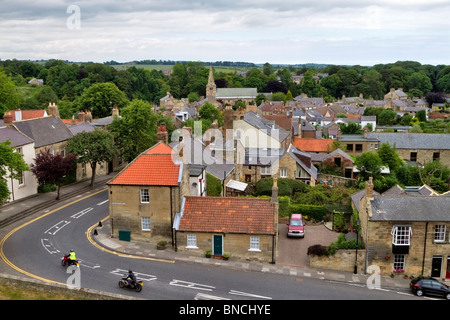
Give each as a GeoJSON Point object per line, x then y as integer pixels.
{"type": "Point", "coordinates": [137, 286]}
{"type": "Point", "coordinates": [65, 261]}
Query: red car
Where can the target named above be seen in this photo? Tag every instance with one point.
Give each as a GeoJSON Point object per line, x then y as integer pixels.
{"type": "Point", "coordinates": [296, 226]}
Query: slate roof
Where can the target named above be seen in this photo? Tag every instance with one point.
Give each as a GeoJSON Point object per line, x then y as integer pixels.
{"type": "Point", "coordinates": [408, 209]}
{"type": "Point", "coordinates": [236, 93]}
{"type": "Point", "coordinates": [413, 140]}
{"type": "Point", "coordinates": [153, 167]}
{"type": "Point", "coordinates": [227, 215]}
{"type": "Point", "coordinates": [44, 131]}
{"type": "Point", "coordinates": [16, 137]}
{"type": "Point", "coordinates": [268, 126]}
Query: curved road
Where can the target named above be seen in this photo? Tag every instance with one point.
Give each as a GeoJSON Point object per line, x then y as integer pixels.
{"type": "Point", "coordinates": [36, 248]}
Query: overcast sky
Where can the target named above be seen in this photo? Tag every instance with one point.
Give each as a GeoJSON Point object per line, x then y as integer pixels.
{"type": "Point", "coordinates": [304, 31]}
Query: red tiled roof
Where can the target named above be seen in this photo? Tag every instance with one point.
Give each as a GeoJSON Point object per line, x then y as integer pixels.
{"type": "Point", "coordinates": [150, 169]}
{"type": "Point", "coordinates": [312, 145]}
{"type": "Point", "coordinates": [28, 114]}
{"type": "Point", "coordinates": [228, 215]}
{"type": "Point", "coordinates": [159, 148]}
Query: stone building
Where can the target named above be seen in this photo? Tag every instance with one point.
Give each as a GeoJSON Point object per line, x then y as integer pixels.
{"type": "Point", "coordinates": [244, 228]}
{"type": "Point", "coordinates": [145, 196]}
{"type": "Point", "coordinates": [406, 232]}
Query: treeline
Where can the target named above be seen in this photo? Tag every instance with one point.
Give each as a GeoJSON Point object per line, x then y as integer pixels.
{"type": "Point", "coordinates": [70, 84]}
{"type": "Point", "coordinates": [153, 62]}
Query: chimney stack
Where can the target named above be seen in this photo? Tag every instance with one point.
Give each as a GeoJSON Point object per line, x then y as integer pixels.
{"type": "Point", "coordinates": [274, 198]}
{"type": "Point", "coordinates": [162, 134]}
{"type": "Point", "coordinates": [115, 111]}
{"type": "Point", "coordinates": [81, 116]}
{"type": "Point", "coordinates": [53, 110]}
{"type": "Point", "coordinates": [7, 117]}
{"type": "Point", "coordinates": [369, 189]}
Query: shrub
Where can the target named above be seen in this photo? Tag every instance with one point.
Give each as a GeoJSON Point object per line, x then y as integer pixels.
{"type": "Point", "coordinates": [318, 250]}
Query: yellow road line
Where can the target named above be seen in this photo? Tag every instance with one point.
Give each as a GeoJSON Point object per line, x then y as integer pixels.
{"type": "Point", "coordinates": [2, 242]}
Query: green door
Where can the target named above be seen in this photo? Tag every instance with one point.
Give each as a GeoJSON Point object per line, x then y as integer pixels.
{"type": "Point", "coordinates": [217, 245]}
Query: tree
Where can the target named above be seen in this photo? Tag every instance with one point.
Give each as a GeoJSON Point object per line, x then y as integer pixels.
{"type": "Point", "coordinates": [100, 98]}
{"type": "Point", "coordinates": [11, 166]}
{"type": "Point", "coordinates": [387, 117]}
{"type": "Point", "coordinates": [390, 157]}
{"type": "Point", "coordinates": [92, 148]}
{"type": "Point", "coordinates": [9, 96]}
{"type": "Point", "coordinates": [52, 169]}
{"type": "Point", "coordinates": [369, 164]}
{"type": "Point", "coordinates": [135, 131]}
{"type": "Point", "coordinates": [350, 128]}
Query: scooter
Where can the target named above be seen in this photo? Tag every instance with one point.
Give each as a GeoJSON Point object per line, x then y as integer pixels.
{"type": "Point", "coordinates": [65, 261]}
{"type": "Point", "coordinates": [137, 286]}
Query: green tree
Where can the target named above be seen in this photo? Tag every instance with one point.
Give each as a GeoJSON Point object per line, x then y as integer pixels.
{"type": "Point", "coordinates": [135, 131]}
{"type": "Point", "coordinates": [12, 165]}
{"type": "Point", "coordinates": [100, 98]}
{"type": "Point", "coordinates": [390, 157]}
{"type": "Point", "coordinates": [369, 164]}
{"type": "Point", "coordinates": [9, 96]}
{"type": "Point", "coordinates": [387, 117]}
{"type": "Point", "coordinates": [93, 148]}
{"type": "Point", "coordinates": [350, 128]}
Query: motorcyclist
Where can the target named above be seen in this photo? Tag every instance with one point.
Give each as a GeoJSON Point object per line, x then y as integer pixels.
{"type": "Point", "coordinates": [131, 278]}
{"type": "Point", "coordinates": [72, 257]}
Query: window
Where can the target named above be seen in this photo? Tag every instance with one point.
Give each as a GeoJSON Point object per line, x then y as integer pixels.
{"type": "Point", "coordinates": [413, 156]}
{"type": "Point", "coordinates": [145, 223]}
{"type": "Point", "coordinates": [192, 241]}
{"type": "Point", "coordinates": [254, 244]}
{"type": "Point", "coordinates": [349, 147]}
{"type": "Point", "coordinates": [145, 196]}
{"type": "Point", "coordinates": [436, 156]}
{"type": "Point", "coordinates": [399, 262]}
{"type": "Point", "coordinates": [21, 179]}
{"type": "Point", "coordinates": [359, 147]}
{"type": "Point", "coordinates": [401, 235]}
{"type": "Point", "coordinates": [439, 233]}
{"type": "Point", "coordinates": [265, 170]}
{"type": "Point", "coordinates": [283, 173]}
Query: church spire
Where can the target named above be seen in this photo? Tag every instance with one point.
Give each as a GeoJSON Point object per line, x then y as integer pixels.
{"type": "Point", "coordinates": [211, 86]}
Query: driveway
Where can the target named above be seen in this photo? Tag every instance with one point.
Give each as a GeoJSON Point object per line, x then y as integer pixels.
{"type": "Point", "coordinates": [293, 251]}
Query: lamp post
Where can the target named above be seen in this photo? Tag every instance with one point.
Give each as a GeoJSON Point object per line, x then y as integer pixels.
{"type": "Point", "coordinates": [355, 270]}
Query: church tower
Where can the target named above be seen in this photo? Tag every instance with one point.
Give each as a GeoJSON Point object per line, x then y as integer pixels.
{"type": "Point", "coordinates": [211, 86]}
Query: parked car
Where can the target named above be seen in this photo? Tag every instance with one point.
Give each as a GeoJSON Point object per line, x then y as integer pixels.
{"type": "Point", "coordinates": [429, 286]}
{"type": "Point", "coordinates": [296, 226]}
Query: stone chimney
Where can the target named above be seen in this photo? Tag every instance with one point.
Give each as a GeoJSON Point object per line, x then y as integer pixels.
{"type": "Point", "coordinates": [81, 117]}
{"type": "Point", "coordinates": [274, 198]}
{"type": "Point", "coordinates": [162, 134]}
{"type": "Point", "coordinates": [115, 111]}
{"type": "Point", "coordinates": [53, 110]}
{"type": "Point", "coordinates": [369, 188]}
{"type": "Point", "coordinates": [88, 116]}
{"type": "Point", "coordinates": [8, 117]}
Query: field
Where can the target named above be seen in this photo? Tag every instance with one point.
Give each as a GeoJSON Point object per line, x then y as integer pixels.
{"type": "Point", "coordinates": [169, 67]}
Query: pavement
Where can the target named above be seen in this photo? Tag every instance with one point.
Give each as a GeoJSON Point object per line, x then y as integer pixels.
{"type": "Point", "coordinates": [101, 234]}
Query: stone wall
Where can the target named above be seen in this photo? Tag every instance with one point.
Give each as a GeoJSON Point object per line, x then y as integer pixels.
{"type": "Point", "coordinates": [342, 260]}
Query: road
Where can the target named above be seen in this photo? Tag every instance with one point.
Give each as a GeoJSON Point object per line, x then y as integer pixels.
{"type": "Point", "coordinates": [36, 248]}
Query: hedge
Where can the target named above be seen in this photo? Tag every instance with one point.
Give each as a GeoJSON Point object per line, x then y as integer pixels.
{"type": "Point", "coordinates": [311, 211]}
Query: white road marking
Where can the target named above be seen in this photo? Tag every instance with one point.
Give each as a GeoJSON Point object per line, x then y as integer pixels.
{"type": "Point", "coordinates": [204, 296]}
{"type": "Point", "coordinates": [139, 276]}
{"type": "Point", "coordinates": [81, 213]}
{"type": "Point", "coordinates": [103, 202]}
{"type": "Point", "coordinates": [191, 285]}
{"type": "Point", "coordinates": [239, 293]}
{"type": "Point", "coordinates": [47, 244]}
{"type": "Point", "coordinates": [57, 227]}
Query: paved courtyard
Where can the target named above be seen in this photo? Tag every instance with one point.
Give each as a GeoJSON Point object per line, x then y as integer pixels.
{"type": "Point", "coordinates": [293, 251]}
